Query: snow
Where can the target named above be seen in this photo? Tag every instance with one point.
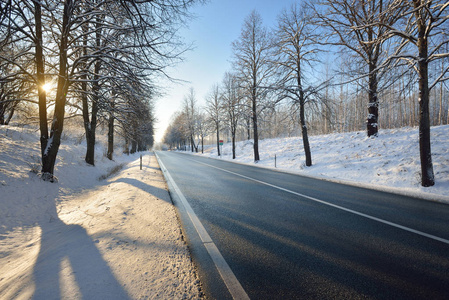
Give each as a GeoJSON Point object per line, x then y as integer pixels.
{"type": "Point", "coordinates": [111, 231]}
{"type": "Point", "coordinates": [49, 143]}
{"type": "Point", "coordinates": [388, 162]}
{"type": "Point", "coordinates": [104, 232]}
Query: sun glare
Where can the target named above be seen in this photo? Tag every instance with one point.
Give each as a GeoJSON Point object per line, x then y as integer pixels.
{"type": "Point", "coordinates": [47, 87]}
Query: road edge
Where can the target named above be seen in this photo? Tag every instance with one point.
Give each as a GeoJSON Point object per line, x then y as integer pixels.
{"type": "Point", "coordinates": [229, 279]}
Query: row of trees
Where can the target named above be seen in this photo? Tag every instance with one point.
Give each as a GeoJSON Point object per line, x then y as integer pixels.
{"type": "Point", "coordinates": [387, 57]}
{"type": "Point", "coordinates": [103, 56]}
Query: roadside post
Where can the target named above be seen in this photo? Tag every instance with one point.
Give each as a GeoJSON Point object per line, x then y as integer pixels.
{"type": "Point", "coordinates": [141, 161]}
{"type": "Point", "coordinates": [221, 147]}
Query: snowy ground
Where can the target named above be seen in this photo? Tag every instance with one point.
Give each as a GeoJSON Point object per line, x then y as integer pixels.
{"type": "Point", "coordinates": [89, 236]}
{"type": "Point", "coordinates": [389, 162]}
{"type": "Point", "coordinates": [94, 236]}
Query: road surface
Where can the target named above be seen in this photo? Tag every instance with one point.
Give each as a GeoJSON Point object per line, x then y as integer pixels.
{"type": "Point", "coordinates": [286, 236]}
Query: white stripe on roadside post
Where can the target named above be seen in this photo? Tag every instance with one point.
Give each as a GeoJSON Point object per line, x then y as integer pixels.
{"type": "Point", "coordinates": [231, 282]}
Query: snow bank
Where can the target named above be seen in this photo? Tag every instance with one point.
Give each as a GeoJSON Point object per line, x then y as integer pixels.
{"type": "Point", "coordinates": [389, 162]}
{"type": "Point", "coordinates": [91, 235]}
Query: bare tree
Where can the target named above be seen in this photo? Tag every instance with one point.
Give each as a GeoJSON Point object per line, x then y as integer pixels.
{"type": "Point", "coordinates": [296, 50]}
{"type": "Point", "coordinates": [424, 33]}
{"type": "Point", "coordinates": [214, 111]}
{"type": "Point", "coordinates": [149, 28]}
{"type": "Point", "coordinates": [359, 25]}
{"type": "Point", "coordinates": [51, 145]}
{"type": "Point", "coordinates": [252, 63]}
{"type": "Point", "coordinates": [202, 128]}
{"type": "Point", "coordinates": [190, 110]}
{"type": "Point", "coordinates": [59, 19]}
{"type": "Point", "coordinates": [13, 88]}
{"type": "Point", "coordinates": [176, 134]}
{"type": "Point", "coordinates": [91, 55]}
{"type": "Point", "coordinates": [21, 28]}
{"type": "Point", "coordinates": [231, 97]}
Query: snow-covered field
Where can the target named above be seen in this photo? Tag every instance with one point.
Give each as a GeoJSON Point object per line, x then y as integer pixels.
{"type": "Point", "coordinates": [389, 162]}
{"type": "Point", "coordinates": [90, 236]}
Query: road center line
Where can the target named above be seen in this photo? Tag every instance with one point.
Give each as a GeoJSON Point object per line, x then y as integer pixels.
{"type": "Point", "coordinates": [231, 282]}
{"type": "Point", "coordinates": [436, 238]}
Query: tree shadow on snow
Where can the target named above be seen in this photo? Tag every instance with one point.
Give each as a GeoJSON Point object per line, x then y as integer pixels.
{"type": "Point", "coordinates": [69, 265]}
{"type": "Point", "coordinates": [149, 189]}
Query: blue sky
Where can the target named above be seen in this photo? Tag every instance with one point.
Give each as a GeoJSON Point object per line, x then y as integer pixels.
{"type": "Point", "coordinates": [216, 25]}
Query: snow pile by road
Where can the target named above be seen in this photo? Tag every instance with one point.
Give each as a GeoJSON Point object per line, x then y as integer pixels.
{"type": "Point", "coordinates": [104, 232]}
{"type": "Point", "coordinates": [388, 162]}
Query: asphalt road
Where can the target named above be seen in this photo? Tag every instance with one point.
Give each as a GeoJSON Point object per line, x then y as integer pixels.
{"type": "Point", "coordinates": [286, 236]}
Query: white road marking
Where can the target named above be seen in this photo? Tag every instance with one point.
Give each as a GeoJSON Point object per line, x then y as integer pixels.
{"type": "Point", "coordinates": [233, 285]}
{"type": "Point", "coordinates": [436, 238]}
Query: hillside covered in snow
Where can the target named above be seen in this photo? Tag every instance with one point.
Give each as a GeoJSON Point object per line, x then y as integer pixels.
{"type": "Point", "coordinates": [387, 162]}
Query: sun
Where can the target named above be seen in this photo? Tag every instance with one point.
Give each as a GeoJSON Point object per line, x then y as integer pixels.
{"type": "Point", "coordinates": [47, 87]}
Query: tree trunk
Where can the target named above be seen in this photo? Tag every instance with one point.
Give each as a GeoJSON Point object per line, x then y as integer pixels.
{"type": "Point", "coordinates": [91, 129]}
{"type": "Point", "coordinates": [256, 134]}
{"type": "Point", "coordinates": [192, 143]}
{"type": "Point", "coordinates": [126, 148]}
{"type": "Point", "coordinates": [195, 146]}
{"type": "Point", "coordinates": [40, 68]}
{"type": "Point", "coordinates": [305, 136]}
{"type": "Point", "coordinates": [133, 146]}
{"type": "Point", "coordinates": [218, 139]}
{"type": "Point", "coordinates": [233, 130]}
{"type": "Point", "coordinates": [373, 105]}
{"type": "Point", "coordinates": [84, 95]}
{"type": "Point", "coordinates": [440, 111]}
{"type": "Point", "coordinates": [87, 122]}
{"type": "Point", "coordinates": [90, 151]}
{"type": "Point", "coordinates": [325, 108]}
{"type": "Point", "coordinates": [2, 113]}
{"type": "Point", "coordinates": [110, 136]}
{"type": "Point", "coordinates": [248, 128]}
{"type": "Point", "coordinates": [52, 147]}
{"type": "Point", "coordinates": [141, 146]}
{"type": "Point", "coordinates": [92, 125]}
{"type": "Point", "coordinates": [427, 175]}
{"type": "Point", "coordinates": [447, 117]}
{"type": "Point", "coordinates": [302, 118]}
{"type": "Point", "coordinates": [11, 113]}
